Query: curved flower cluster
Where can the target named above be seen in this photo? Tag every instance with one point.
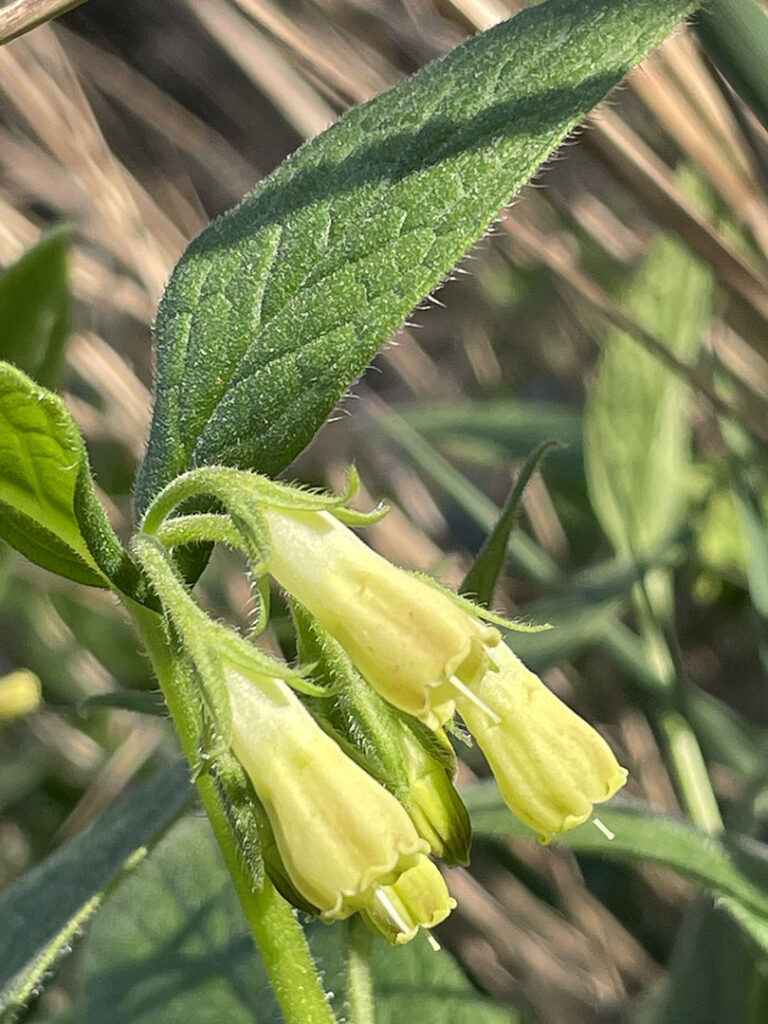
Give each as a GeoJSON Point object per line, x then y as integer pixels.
{"type": "Point", "coordinates": [348, 838]}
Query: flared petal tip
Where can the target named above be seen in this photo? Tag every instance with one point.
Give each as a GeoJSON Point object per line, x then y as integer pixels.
{"type": "Point", "coordinates": [377, 875]}
{"type": "Point", "coordinates": [403, 938]}
{"type": "Point", "coordinates": [613, 784]}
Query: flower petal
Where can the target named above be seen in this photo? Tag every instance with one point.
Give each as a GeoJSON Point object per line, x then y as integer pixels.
{"type": "Point", "coordinates": [407, 638]}
{"type": "Point", "coordinates": [551, 765]}
{"type": "Point", "coordinates": [339, 833]}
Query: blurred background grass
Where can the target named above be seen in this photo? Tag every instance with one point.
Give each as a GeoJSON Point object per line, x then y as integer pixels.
{"type": "Point", "coordinates": [136, 123]}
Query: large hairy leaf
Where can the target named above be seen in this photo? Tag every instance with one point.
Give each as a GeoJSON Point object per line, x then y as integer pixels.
{"type": "Point", "coordinates": [48, 907]}
{"type": "Point", "coordinates": [275, 309]}
{"type": "Point", "coordinates": [172, 946]}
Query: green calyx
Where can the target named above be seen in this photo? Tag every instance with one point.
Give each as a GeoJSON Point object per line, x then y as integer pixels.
{"type": "Point", "coordinates": [208, 645]}
{"type": "Point", "coordinates": [243, 495]}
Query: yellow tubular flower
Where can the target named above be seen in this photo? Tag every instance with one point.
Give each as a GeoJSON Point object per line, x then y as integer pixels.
{"type": "Point", "coordinates": [414, 646]}
{"type": "Point", "coordinates": [551, 766]}
{"type": "Point", "coordinates": [418, 899]}
{"type": "Point", "coordinates": [341, 835]}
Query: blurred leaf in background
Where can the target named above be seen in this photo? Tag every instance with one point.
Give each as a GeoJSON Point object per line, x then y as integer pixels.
{"type": "Point", "coordinates": [34, 310]}
{"type": "Point", "coordinates": [637, 433]}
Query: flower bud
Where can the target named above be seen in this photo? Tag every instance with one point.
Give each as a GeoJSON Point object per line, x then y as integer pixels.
{"type": "Point", "coordinates": [431, 800]}
{"type": "Point", "coordinates": [410, 641]}
{"type": "Point", "coordinates": [551, 766]}
{"type": "Point", "coordinates": [418, 899]}
{"type": "Point", "coordinates": [340, 835]}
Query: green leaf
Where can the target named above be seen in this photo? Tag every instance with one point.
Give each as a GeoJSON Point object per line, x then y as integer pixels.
{"type": "Point", "coordinates": [41, 458]}
{"type": "Point", "coordinates": [276, 308]}
{"type": "Point", "coordinates": [47, 908]}
{"type": "Point", "coordinates": [480, 581]}
{"type": "Point", "coordinates": [496, 432]}
{"type": "Point", "coordinates": [735, 36]}
{"type": "Point", "coordinates": [733, 867]}
{"type": "Point", "coordinates": [750, 496]}
{"type": "Point", "coordinates": [712, 971]}
{"type": "Point", "coordinates": [580, 611]}
{"type": "Point", "coordinates": [414, 983]}
{"type": "Point", "coordinates": [48, 508]}
{"type": "Point", "coordinates": [636, 426]}
{"type": "Point", "coordinates": [727, 736]}
{"type": "Point", "coordinates": [754, 924]}
{"type": "Point", "coordinates": [524, 553]}
{"type": "Point", "coordinates": [140, 701]}
{"type": "Point", "coordinates": [171, 945]}
{"type": "Point", "coordinates": [43, 546]}
{"type": "Point", "coordinates": [34, 310]}
{"type": "Point", "coordinates": [511, 427]}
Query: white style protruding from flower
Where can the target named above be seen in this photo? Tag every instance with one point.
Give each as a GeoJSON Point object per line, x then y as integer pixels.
{"type": "Point", "coordinates": [551, 765]}
{"type": "Point", "coordinates": [411, 642]}
{"type": "Point", "coordinates": [341, 835]}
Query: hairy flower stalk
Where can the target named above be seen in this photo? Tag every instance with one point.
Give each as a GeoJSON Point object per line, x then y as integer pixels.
{"type": "Point", "coordinates": [409, 640]}
{"type": "Point", "coordinates": [341, 835]}
{"type": "Point", "coordinates": [551, 765]}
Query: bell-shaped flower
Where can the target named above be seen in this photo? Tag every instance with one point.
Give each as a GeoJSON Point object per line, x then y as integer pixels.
{"type": "Point", "coordinates": [413, 644]}
{"type": "Point", "coordinates": [551, 766]}
{"type": "Point", "coordinates": [341, 836]}
{"type": "Point", "coordinates": [419, 899]}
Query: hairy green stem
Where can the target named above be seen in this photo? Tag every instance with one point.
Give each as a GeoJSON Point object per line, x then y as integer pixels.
{"type": "Point", "coordinates": [358, 970]}
{"type": "Point", "coordinates": [203, 528]}
{"type": "Point", "coordinates": [276, 931]}
{"type": "Point", "coordinates": [213, 481]}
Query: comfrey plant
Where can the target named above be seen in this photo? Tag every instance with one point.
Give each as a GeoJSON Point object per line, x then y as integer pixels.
{"type": "Point", "coordinates": [329, 784]}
